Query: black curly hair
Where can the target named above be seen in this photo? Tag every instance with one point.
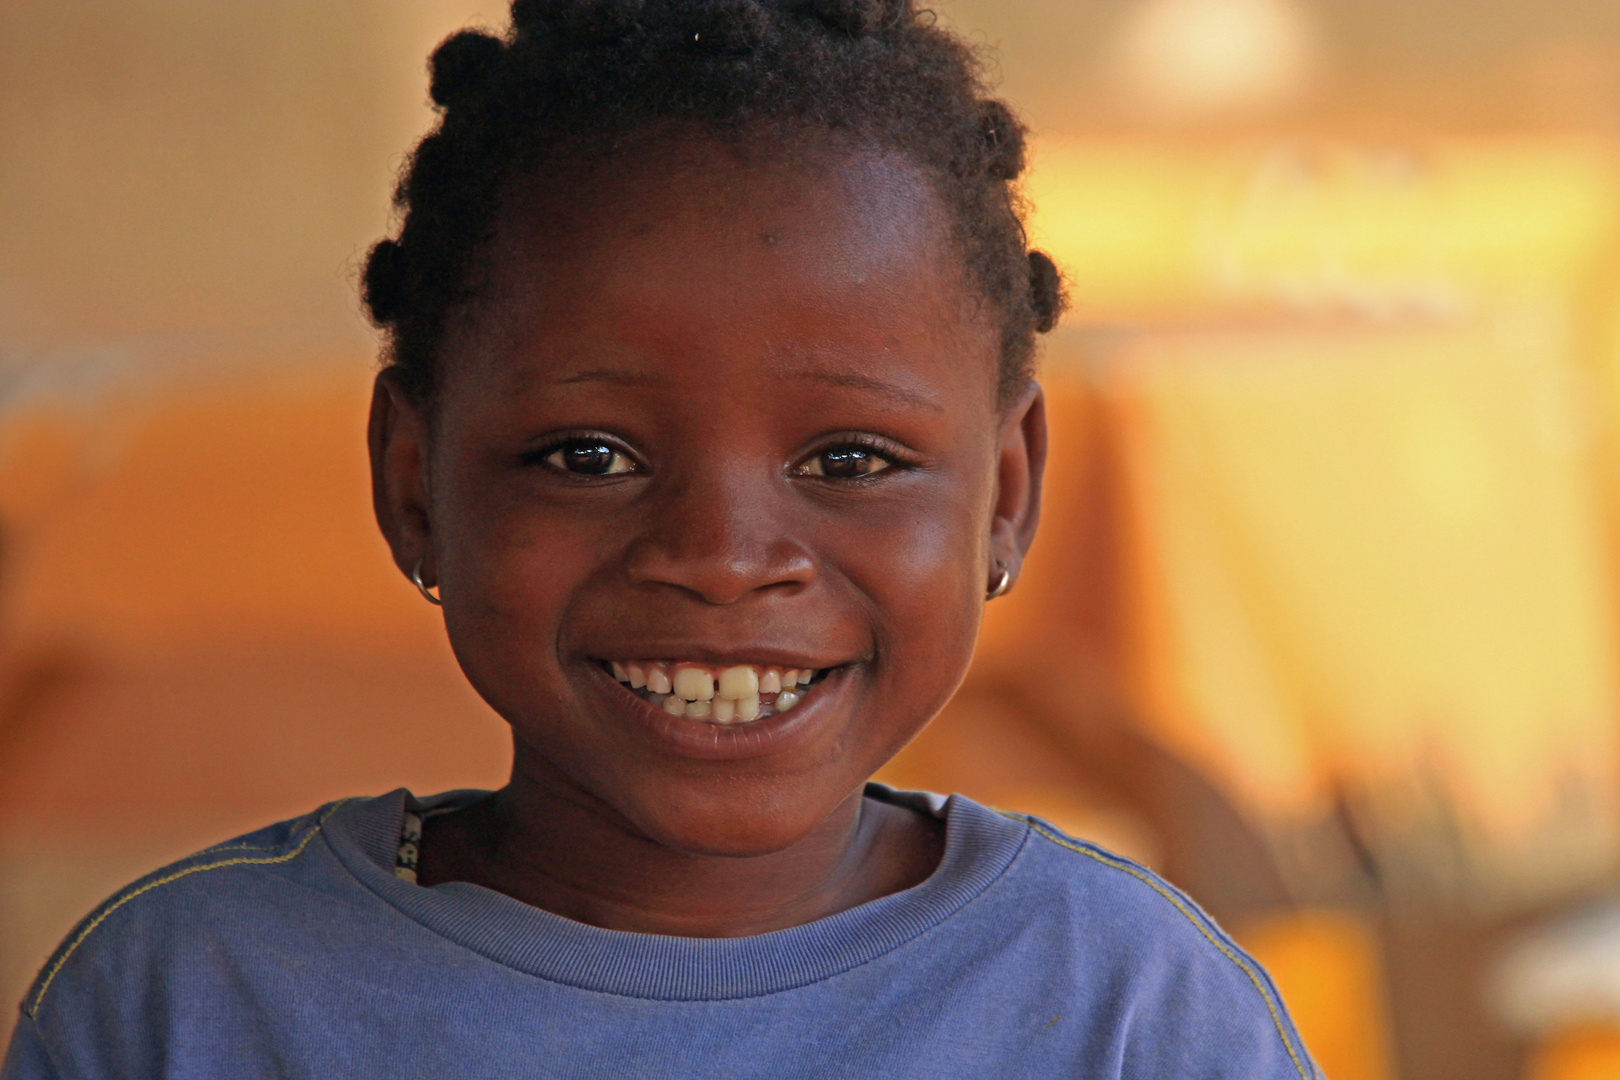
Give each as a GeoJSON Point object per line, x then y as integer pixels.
{"type": "Point", "coordinates": [575, 74]}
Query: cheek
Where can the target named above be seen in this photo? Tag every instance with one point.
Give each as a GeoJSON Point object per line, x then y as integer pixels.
{"type": "Point", "coordinates": [926, 580]}
{"type": "Point", "coordinates": [508, 574]}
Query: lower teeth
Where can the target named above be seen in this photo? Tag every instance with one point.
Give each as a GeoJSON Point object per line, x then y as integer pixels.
{"type": "Point", "coordinates": [723, 711]}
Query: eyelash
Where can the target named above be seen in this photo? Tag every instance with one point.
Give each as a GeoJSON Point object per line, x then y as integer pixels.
{"type": "Point", "coordinates": [542, 454]}
{"type": "Point", "coordinates": [893, 456]}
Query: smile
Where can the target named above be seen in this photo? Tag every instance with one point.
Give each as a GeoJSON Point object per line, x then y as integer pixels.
{"type": "Point", "coordinates": [716, 693]}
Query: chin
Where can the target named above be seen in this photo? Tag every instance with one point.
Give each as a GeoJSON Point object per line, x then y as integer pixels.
{"type": "Point", "coordinates": [742, 825]}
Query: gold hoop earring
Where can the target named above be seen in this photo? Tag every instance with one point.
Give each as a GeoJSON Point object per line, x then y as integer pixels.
{"type": "Point", "coordinates": [1002, 583]}
{"type": "Point", "coordinates": [416, 577]}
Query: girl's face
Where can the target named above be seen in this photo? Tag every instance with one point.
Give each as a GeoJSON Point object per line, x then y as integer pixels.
{"type": "Point", "coordinates": [721, 405]}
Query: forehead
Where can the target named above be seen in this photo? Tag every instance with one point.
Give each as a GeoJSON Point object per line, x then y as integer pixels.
{"type": "Point", "coordinates": [707, 252]}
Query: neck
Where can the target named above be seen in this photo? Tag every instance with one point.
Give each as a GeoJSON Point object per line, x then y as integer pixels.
{"type": "Point", "coordinates": [548, 844]}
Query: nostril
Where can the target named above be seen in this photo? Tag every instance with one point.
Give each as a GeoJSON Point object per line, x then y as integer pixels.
{"type": "Point", "coordinates": [721, 579]}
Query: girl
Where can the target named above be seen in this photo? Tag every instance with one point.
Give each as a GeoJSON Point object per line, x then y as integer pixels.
{"type": "Point", "coordinates": [709, 413]}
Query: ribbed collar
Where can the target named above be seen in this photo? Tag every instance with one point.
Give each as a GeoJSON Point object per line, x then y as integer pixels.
{"type": "Point", "coordinates": [979, 846]}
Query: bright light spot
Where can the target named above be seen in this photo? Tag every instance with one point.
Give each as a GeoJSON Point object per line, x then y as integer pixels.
{"type": "Point", "coordinates": [1217, 56]}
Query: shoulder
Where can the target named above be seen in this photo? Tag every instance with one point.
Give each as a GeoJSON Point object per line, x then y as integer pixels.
{"type": "Point", "coordinates": [203, 894]}
{"type": "Point", "coordinates": [1115, 894]}
{"type": "Point", "coordinates": [1169, 964]}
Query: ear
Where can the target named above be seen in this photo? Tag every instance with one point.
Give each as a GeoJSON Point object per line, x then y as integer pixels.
{"type": "Point", "coordinates": [1020, 464]}
{"type": "Point", "coordinates": [397, 439]}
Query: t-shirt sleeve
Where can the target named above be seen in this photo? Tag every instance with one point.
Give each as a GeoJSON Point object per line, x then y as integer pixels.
{"type": "Point", "coordinates": [1217, 1018]}
{"type": "Point", "coordinates": [1179, 997]}
{"type": "Point", "coordinates": [26, 1058]}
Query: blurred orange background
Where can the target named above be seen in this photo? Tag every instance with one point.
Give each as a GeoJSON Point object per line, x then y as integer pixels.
{"type": "Point", "coordinates": [1323, 620]}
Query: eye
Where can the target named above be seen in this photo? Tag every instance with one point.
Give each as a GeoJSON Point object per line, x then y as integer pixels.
{"type": "Point", "coordinates": [589, 457]}
{"type": "Point", "coordinates": [848, 462]}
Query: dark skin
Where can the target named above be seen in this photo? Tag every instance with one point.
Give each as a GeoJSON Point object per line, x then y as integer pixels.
{"type": "Point", "coordinates": [730, 402]}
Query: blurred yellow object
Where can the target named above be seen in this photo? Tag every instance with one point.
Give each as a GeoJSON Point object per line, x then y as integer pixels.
{"type": "Point", "coordinates": [1326, 968]}
{"type": "Point", "coordinates": [1588, 1053]}
{"type": "Point", "coordinates": [1152, 229]}
{"type": "Point", "coordinates": [1371, 571]}
{"type": "Point", "coordinates": [1366, 559]}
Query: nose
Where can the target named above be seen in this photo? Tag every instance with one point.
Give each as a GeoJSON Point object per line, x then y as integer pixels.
{"type": "Point", "coordinates": [721, 535]}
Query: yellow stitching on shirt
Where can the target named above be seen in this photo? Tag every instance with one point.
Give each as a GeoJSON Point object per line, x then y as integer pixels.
{"type": "Point", "coordinates": [1276, 1017]}
{"type": "Point", "coordinates": [149, 886]}
{"type": "Point", "coordinates": [216, 849]}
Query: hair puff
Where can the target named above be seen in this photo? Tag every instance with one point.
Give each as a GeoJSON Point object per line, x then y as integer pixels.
{"type": "Point", "coordinates": [382, 285]}
{"type": "Point", "coordinates": [1046, 293]}
{"type": "Point", "coordinates": [732, 27]}
{"type": "Point", "coordinates": [462, 67]}
{"type": "Point", "coordinates": [854, 18]}
{"type": "Point", "coordinates": [576, 21]}
{"type": "Point", "coordinates": [1003, 137]}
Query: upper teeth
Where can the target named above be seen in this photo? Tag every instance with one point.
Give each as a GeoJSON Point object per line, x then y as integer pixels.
{"type": "Point", "coordinates": [737, 683]}
{"type": "Point", "coordinates": [695, 684]}
{"type": "Point", "coordinates": [724, 695]}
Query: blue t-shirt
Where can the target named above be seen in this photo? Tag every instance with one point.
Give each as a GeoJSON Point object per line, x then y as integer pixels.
{"type": "Point", "coordinates": [297, 952]}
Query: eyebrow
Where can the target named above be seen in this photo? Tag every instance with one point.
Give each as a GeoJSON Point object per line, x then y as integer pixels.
{"type": "Point", "coordinates": [611, 375]}
{"type": "Point", "coordinates": [849, 380]}
{"type": "Point", "coordinates": [853, 380]}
